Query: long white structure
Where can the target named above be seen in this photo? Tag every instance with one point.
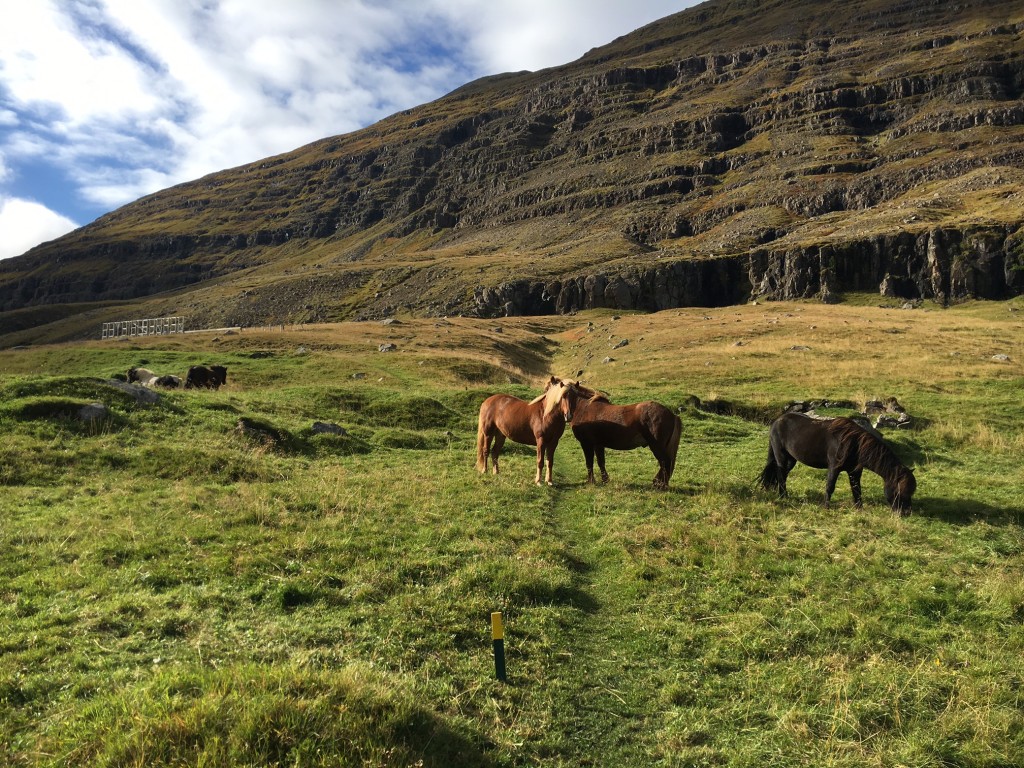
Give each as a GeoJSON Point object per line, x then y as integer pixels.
{"type": "Point", "coordinates": [153, 326]}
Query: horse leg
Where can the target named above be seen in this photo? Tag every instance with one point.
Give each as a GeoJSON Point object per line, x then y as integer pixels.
{"type": "Point", "coordinates": [779, 465]}
{"type": "Point", "coordinates": [855, 485]}
{"type": "Point", "coordinates": [540, 459]}
{"type": "Point", "coordinates": [661, 479]}
{"type": "Point", "coordinates": [549, 452]}
{"type": "Point", "coordinates": [588, 456]}
{"type": "Point", "coordinates": [499, 443]}
{"type": "Point", "coordinates": [600, 463]}
{"type": "Point", "coordinates": [830, 484]}
{"type": "Point", "coordinates": [785, 466]}
{"type": "Point", "coordinates": [483, 450]}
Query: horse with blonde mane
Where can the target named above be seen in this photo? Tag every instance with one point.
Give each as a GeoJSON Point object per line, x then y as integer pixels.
{"type": "Point", "coordinates": [598, 424]}
{"type": "Point", "coordinates": [539, 422]}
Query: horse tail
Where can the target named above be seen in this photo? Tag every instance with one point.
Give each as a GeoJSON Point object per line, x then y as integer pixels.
{"type": "Point", "coordinates": [481, 442]}
{"type": "Point", "coordinates": [673, 443]}
{"type": "Point", "coordinates": [770, 474]}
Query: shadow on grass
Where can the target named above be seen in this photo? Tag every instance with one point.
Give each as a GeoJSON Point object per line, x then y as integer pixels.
{"type": "Point", "coordinates": [909, 452]}
{"type": "Point", "coordinates": [955, 511]}
{"type": "Point", "coordinates": [576, 598]}
{"type": "Point", "coordinates": [967, 511]}
{"type": "Point", "coordinates": [632, 486]}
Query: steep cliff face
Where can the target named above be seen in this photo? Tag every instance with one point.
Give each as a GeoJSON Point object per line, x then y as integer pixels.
{"type": "Point", "coordinates": [705, 283]}
{"type": "Point", "coordinates": [940, 264]}
{"type": "Point", "coordinates": [775, 148]}
{"type": "Point", "coordinates": [943, 265]}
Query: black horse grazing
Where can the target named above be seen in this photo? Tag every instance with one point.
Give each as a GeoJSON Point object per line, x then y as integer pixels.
{"type": "Point", "coordinates": [211, 377]}
{"type": "Point", "coordinates": [838, 445]}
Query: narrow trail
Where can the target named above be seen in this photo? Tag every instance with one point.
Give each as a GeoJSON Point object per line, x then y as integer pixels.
{"type": "Point", "coordinates": [605, 675]}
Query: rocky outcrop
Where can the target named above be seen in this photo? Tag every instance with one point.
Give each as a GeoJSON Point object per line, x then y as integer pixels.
{"type": "Point", "coordinates": [706, 283]}
{"type": "Point", "coordinates": [944, 265]}
{"type": "Point", "coordinates": [941, 264]}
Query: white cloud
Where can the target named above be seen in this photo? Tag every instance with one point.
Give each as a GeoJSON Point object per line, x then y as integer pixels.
{"type": "Point", "coordinates": [24, 223]}
{"type": "Point", "coordinates": [511, 35]}
{"type": "Point", "coordinates": [46, 60]}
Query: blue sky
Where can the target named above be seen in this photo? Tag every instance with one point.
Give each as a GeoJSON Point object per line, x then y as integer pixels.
{"type": "Point", "coordinates": [104, 101]}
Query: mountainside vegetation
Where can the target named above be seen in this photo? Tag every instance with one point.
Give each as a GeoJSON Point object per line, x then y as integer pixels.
{"type": "Point", "coordinates": [743, 148]}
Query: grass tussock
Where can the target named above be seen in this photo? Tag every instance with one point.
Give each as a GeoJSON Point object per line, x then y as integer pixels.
{"type": "Point", "coordinates": [263, 716]}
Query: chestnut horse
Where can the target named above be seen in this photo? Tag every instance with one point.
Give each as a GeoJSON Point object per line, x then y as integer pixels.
{"type": "Point", "coordinates": [838, 445]}
{"type": "Point", "coordinates": [598, 424]}
{"type": "Point", "coordinates": [539, 422]}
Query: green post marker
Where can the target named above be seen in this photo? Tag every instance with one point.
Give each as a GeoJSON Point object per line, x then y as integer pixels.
{"type": "Point", "coordinates": [498, 633]}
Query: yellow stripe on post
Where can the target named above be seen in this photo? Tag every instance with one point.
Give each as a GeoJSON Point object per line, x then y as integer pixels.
{"type": "Point", "coordinates": [498, 633]}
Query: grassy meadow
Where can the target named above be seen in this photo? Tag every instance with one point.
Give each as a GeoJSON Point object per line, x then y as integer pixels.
{"type": "Point", "coordinates": [174, 592]}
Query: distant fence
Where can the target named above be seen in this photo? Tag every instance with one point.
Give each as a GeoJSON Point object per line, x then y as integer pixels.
{"type": "Point", "coordinates": [153, 326]}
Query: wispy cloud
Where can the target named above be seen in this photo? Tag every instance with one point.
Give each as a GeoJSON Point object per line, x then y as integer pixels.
{"type": "Point", "coordinates": [122, 98]}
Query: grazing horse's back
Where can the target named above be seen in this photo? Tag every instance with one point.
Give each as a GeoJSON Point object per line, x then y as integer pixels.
{"type": "Point", "coordinates": [208, 377]}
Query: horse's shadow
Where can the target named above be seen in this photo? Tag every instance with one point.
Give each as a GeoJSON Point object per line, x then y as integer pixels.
{"type": "Point", "coordinates": [637, 486]}
{"type": "Point", "coordinates": [966, 511]}
{"type": "Point", "coordinates": [910, 452]}
{"type": "Point", "coordinates": [954, 511]}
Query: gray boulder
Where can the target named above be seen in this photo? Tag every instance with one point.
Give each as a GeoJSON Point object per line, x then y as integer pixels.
{"type": "Point", "coordinates": [93, 412]}
{"type": "Point", "coordinates": [326, 428]}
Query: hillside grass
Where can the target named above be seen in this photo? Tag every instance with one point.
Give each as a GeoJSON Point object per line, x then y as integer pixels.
{"type": "Point", "coordinates": [173, 592]}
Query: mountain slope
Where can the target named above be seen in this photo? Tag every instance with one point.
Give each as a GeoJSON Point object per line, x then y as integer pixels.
{"type": "Point", "coordinates": [784, 148]}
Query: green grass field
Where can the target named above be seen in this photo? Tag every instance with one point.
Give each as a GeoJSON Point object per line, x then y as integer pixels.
{"type": "Point", "coordinates": [173, 592]}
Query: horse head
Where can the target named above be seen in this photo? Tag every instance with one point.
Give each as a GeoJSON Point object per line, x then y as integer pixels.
{"type": "Point", "coordinates": [899, 490]}
{"type": "Point", "coordinates": [560, 394]}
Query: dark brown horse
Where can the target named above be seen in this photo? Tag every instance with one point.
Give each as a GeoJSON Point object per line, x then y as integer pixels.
{"type": "Point", "coordinates": [209, 377]}
{"type": "Point", "coordinates": [598, 424]}
{"type": "Point", "coordinates": [838, 445]}
{"type": "Point", "coordinates": [539, 422]}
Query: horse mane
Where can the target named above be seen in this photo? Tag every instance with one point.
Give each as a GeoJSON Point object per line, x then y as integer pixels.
{"type": "Point", "coordinates": [589, 394]}
{"type": "Point", "coordinates": [872, 452]}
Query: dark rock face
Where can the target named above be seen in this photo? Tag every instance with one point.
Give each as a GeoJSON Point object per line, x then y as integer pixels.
{"type": "Point", "coordinates": [711, 283]}
{"type": "Point", "coordinates": [944, 265]}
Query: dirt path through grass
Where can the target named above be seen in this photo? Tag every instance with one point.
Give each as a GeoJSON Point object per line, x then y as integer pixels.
{"type": "Point", "coordinates": [601, 685]}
